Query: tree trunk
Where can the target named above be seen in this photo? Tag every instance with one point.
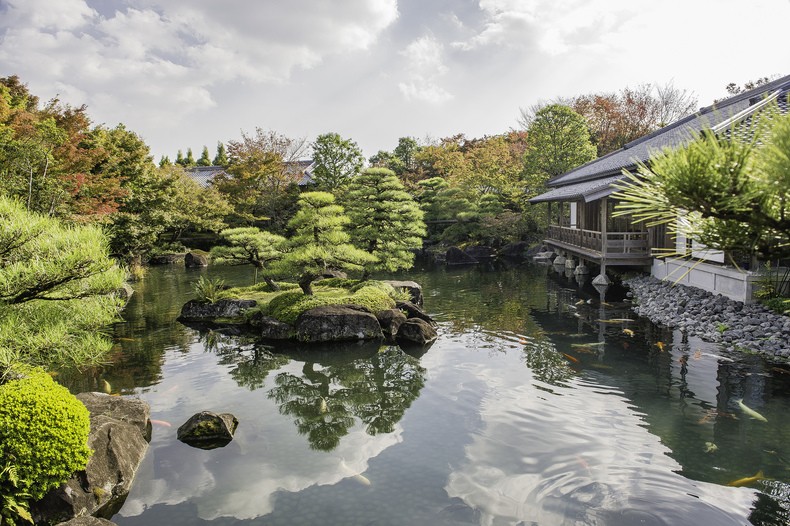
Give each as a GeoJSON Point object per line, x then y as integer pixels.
{"type": "Point", "coordinates": [270, 282]}
{"type": "Point", "coordinates": [306, 284]}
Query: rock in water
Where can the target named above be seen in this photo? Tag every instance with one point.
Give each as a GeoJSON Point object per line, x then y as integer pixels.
{"type": "Point", "coordinates": [207, 430]}
{"type": "Point", "coordinates": [416, 331]}
{"type": "Point", "coordinates": [195, 260]}
{"type": "Point", "coordinates": [198, 311]}
{"type": "Point", "coordinates": [119, 434]}
{"type": "Point", "coordinates": [390, 321]}
{"type": "Point", "coordinates": [414, 289]}
{"type": "Point", "coordinates": [335, 323]}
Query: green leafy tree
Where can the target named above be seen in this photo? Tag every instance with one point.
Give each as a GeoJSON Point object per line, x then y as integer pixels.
{"type": "Point", "coordinates": [250, 246]}
{"type": "Point", "coordinates": [320, 242]}
{"type": "Point", "coordinates": [165, 161]}
{"type": "Point", "coordinates": [386, 221]}
{"type": "Point", "coordinates": [180, 159]}
{"type": "Point", "coordinates": [724, 192]}
{"type": "Point", "coordinates": [189, 161]}
{"type": "Point", "coordinates": [405, 151]}
{"type": "Point", "coordinates": [205, 159]}
{"type": "Point", "coordinates": [57, 290]}
{"type": "Point", "coordinates": [557, 141]}
{"type": "Point", "coordinates": [336, 161]}
{"type": "Point", "coordinates": [188, 207]}
{"type": "Point", "coordinates": [221, 159]}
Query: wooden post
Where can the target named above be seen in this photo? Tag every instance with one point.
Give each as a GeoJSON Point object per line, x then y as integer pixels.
{"type": "Point", "coordinates": [604, 210]}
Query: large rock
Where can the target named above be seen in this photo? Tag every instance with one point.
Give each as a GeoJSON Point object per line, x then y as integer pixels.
{"type": "Point", "coordinates": [480, 252]}
{"type": "Point", "coordinates": [166, 259]}
{"type": "Point", "coordinates": [390, 321]}
{"type": "Point", "coordinates": [118, 437]}
{"type": "Point", "coordinates": [456, 256]}
{"type": "Point", "coordinates": [333, 323]}
{"type": "Point", "coordinates": [414, 289]}
{"type": "Point", "coordinates": [198, 311]}
{"type": "Point", "coordinates": [413, 311]}
{"type": "Point", "coordinates": [415, 331]}
{"type": "Point", "coordinates": [207, 430]}
{"type": "Point", "coordinates": [516, 250]}
{"type": "Point", "coordinates": [195, 260]}
{"type": "Point", "coordinates": [271, 328]}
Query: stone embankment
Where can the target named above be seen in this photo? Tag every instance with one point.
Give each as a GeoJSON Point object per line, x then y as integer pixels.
{"type": "Point", "coordinates": [713, 318]}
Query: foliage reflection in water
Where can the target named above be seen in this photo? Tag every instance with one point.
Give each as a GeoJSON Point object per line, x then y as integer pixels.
{"type": "Point", "coordinates": [539, 404]}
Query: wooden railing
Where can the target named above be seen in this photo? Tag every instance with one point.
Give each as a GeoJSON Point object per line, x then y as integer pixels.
{"type": "Point", "coordinates": [617, 243]}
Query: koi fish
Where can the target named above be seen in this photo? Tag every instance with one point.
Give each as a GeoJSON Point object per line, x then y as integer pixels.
{"type": "Point", "coordinates": [580, 302]}
{"type": "Point", "coordinates": [571, 358]}
{"type": "Point", "coordinates": [592, 344]}
{"type": "Point", "coordinates": [106, 387]}
{"type": "Point", "coordinates": [751, 412]}
{"type": "Point", "coordinates": [322, 406]}
{"type": "Point", "coordinates": [660, 346]}
{"type": "Point", "coordinates": [710, 447]}
{"type": "Point", "coordinates": [362, 479]}
{"type": "Point", "coordinates": [745, 481]}
{"type": "Point", "coordinates": [628, 332]}
{"type": "Point", "coordinates": [697, 355]}
{"type": "Point", "coordinates": [161, 423]}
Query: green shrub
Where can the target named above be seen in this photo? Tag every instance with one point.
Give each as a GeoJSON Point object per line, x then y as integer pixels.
{"type": "Point", "coordinates": [209, 290]}
{"type": "Point", "coordinates": [43, 439]}
{"type": "Point", "coordinates": [778, 305]}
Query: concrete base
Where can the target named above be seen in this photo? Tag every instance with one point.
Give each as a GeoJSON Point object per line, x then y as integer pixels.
{"type": "Point", "coordinates": [602, 279]}
{"type": "Point", "coordinates": [559, 260]}
{"type": "Point", "coordinates": [581, 269]}
{"type": "Point", "coordinates": [570, 263]}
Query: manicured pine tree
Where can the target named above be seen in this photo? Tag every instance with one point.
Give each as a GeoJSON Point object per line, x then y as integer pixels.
{"type": "Point", "coordinates": [249, 245]}
{"type": "Point", "coordinates": [221, 159]}
{"type": "Point", "coordinates": [320, 242]}
{"type": "Point", "coordinates": [386, 221]}
{"type": "Point", "coordinates": [204, 160]}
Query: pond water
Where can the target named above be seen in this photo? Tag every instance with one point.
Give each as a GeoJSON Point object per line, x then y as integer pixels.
{"type": "Point", "coordinates": [532, 408]}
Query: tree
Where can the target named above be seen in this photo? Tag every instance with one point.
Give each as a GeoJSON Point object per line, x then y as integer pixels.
{"type": "Point", "coordinates": [558, 140]}
{"type": "Point", "coordinates": [57, 290]}
{"type": "Point", "coordinates": [221, 159]}
{"type": "Point", "coordinates": [725, 192]}
{"type": "Point", "coordinates": [735, 89]}
{"type": "Point", "coordinates": [250, 246]}
{"type": "Point", "coordinates": [189, 161]}
{"type": "Point", "coordinates": [385, 219]}
{"type": "Point", "coordinates": [320, 242]}
{"type": "Point", "coordinates": [165, 161]}
{"type": "Point", "coordinates": [204, 160]}
{"type": "Point", "coordinates": [180, 159]}
{"type": "Point", "coordinates": [336, 161]}
{"type": "Point", "coordinates": [189, 206]}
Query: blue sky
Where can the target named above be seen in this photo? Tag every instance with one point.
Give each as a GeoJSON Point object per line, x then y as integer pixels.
{"type": "Point", "coordinates": [188, 73]}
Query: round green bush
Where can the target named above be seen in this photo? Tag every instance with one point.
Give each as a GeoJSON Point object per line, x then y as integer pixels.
{"type": "Point", "coordinates": [43, 434]}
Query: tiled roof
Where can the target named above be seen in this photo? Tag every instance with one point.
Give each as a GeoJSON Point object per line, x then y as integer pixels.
{"type": "Point", "coordinates": [591, 181]}
{"type": "Point", "coordinates": [203, 175]}
{"type": "Point", "coordinates": [676, 134]}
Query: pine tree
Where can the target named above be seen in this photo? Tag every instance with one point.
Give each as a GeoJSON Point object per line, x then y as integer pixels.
{"type": "Point", "coordinates": [204, 160]}
{"type": "Point", "coordinates": [190, 159]}
{"type": "Point", "coordinates": [249, 245]}
{"type": "Point", "coordinates": [164, 161]}
{"type": "Point", "coordinates": [180, 159]}
{"type": "Point", "coordinates": [320, 242]}
{"type": "Point", "coordinates": [386, 221]}
{"type": "Point", "coordinates": [221, 159]}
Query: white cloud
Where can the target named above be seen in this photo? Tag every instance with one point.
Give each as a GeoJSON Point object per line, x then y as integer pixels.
{"type": "Point", "coordinates": [424, 67]}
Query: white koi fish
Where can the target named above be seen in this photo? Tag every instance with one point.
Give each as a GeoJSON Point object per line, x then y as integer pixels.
{"type": "Point", "coordinates": [751, 412]}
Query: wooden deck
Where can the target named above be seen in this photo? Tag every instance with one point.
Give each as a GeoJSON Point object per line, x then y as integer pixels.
{"type": "Point", "coordinates": [616, 248]}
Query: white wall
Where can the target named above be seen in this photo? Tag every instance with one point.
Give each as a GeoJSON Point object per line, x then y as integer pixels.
{"type": "Point", "coordinates": [736, 284]}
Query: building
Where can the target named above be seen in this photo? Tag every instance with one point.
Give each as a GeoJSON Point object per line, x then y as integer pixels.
{"type": "Point", "coordinates": [299, 171]}
{"type": "Point", "coordinates": [581, 227]}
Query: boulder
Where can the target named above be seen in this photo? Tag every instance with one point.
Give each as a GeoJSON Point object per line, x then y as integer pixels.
{"type": "Point", "coordinates": [414, 289]}
{"type": "Point", "coordinates": [416, 331]}
{"type": "Point", "coordinates": [334, 273]}
{"type": "Point", "coordinates": [199, 311]}
{"type": "Point", "coordinates": [166, 259]}
{"type": "Point", "coordinates": [480, 252]}
{"type": "Point", "coordinates": [87, 521]}
{"type": "Point", "coordinates": [413, 311]}
{"type": "Point", "coordinates": [207, 430]}
{"type": "Point", "coordinates": [517, 250]}
{"type": "Point", "coordinates": [119, 434]}
{"type": "Point", "coordinates": [390, 321]}
{"type": "Point", "coordinates": [271, 328]}
{"type": "Point", "coordinates": [456, 256]}
{"type": "Point", "coordinates": [195, 260]}
{"type": "Point", "coordinates": [332, 323]}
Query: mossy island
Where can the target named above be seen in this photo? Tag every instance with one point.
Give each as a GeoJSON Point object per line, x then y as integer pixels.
{"type": "Point", "coordinates": [339, 310]}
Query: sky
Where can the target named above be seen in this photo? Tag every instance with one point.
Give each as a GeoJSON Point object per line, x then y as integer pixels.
{"type": "Point", "coordinates": [188, 73]}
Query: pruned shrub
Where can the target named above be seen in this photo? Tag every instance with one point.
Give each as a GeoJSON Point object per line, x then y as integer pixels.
{"type": "Point", "coordinates": [43, 440]}
{"type": "Point", "coordinates": [289, 305]}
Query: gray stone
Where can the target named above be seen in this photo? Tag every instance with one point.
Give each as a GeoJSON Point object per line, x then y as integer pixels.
{"type": "Point", "coordinates": [413, 311]}
{"type": "Point", "coordinates": [166, 259]}
{"type": "Point", "coordinates": [456, 256]}
{"type": "Point", "coordinates": [119, 429]}
{"type": "Point", "coordinates": [414, 289]}
{"type": "Point", "coordinates": [519, 250]}
{"type": "Point", "coordinates": [195, 260]}
{"type": "Point", "coordinates": [332, 323]}
{"type": "Point", "coordinates": [390, 321]}
{"type": "Point", "coordinates": [207, 430]}
{"type": "Point", "coordinates": [480, 252]}
{"type": "Point", "coordinates": [272, 328]}
{"type": "Point", "coordinates": [198, 311]}
{"type": "Point", "coordinates": [87, 521]}
{"type": "Point", "coordinates": [416, 331]}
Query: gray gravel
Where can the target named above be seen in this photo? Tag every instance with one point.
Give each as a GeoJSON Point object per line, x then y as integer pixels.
{"type": "Point", "coordinates": [713, 318]}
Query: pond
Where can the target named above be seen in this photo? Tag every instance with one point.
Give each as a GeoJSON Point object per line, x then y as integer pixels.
{"type": "Point", "coordinates": [538, 405]}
